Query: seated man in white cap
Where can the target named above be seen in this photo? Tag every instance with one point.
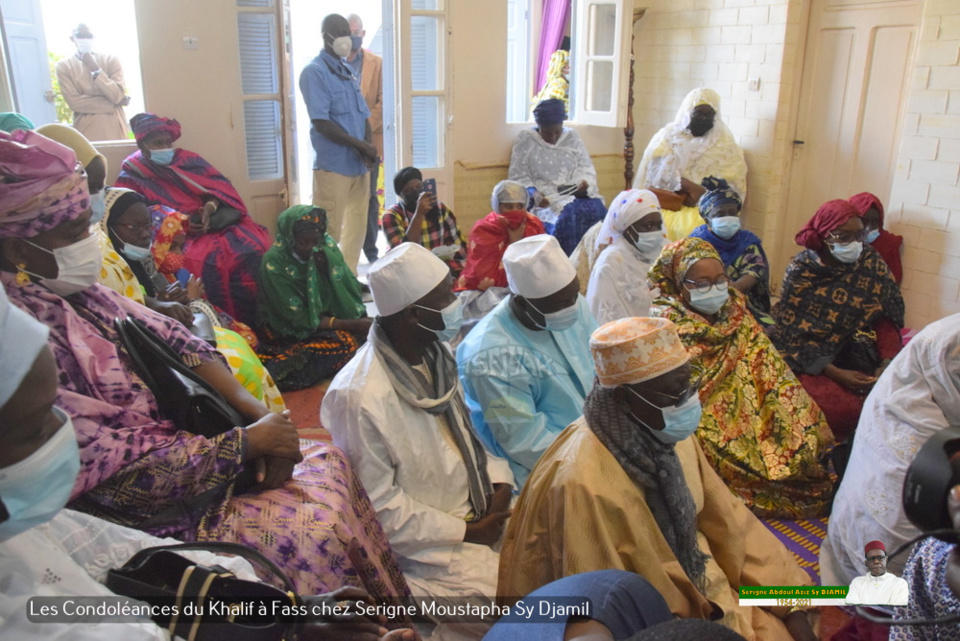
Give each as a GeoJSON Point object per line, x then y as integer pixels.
{"type": "Point", "coordinates": [625, 488]}
{"type": "Point", "coordinates": [526, 366]}
{"type": "Point", "coordinates": [398, 412]}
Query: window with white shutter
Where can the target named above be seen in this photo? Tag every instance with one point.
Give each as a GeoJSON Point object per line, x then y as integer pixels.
{"type": "Point", "coordinates": [259, 71]}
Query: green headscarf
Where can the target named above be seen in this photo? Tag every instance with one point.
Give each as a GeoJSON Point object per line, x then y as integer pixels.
{"type": "Point", "coordinates": [10, 121]}
{"type": "Point", "coordinates": [294, 295]}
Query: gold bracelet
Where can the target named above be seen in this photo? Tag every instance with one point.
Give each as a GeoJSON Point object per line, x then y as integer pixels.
{"type": "Point", "coordinates": [330, 322]}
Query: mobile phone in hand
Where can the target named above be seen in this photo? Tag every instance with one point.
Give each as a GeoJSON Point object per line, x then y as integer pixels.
{"type": "Point", "coordinates": [430, 185]}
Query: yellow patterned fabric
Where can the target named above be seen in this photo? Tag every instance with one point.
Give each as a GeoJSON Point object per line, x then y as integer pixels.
{"type": "Point", "coordinates": [115, 273]}
{"type": "Point", "coordinates": [579, 511]}
{"type": "Point", "coordinates": [248, 369]}
{"type": "Point", "coordinates": [633, 350]}
{"type": "Point", "coordinates": [760, 429]}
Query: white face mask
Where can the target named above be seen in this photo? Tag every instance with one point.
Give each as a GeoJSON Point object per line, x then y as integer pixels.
{"type": "Point", "coordinates": [848, 253]}
{"type": "Point", "coordinates": [135, 252]}
{"type": "Point", "coordinates": [342, 46]}
{"type": "Point", "coordinates": [712, 301]}
{"type": "Point", "coordinates": [559, 320]}
{"type": "Point", "coordinates": [649, 243]}
{"type": "Point", "coordinates": [78, 266]}
{"type": "Point", "coordinates": [84, 45]}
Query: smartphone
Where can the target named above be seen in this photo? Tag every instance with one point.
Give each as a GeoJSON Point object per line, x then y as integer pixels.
{"type": "Point", "coordinates": [430, 185]}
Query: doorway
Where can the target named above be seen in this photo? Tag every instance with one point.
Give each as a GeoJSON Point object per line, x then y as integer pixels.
{"type": "Point", "coordinates": [856, 71]}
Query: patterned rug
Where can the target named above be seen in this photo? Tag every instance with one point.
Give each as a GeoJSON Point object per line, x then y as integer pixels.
{"type": "Point", "coordinates": [803, 539]}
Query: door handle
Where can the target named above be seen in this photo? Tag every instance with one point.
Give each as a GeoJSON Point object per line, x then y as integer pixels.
{"type": "Point", "coordinates": [49, 95]}
{"type": "Point", "coordinates": [798, 142]}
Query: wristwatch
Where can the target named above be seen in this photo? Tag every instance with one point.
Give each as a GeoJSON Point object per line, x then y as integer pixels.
{"type": "Point", "coordinates": [96, 73]}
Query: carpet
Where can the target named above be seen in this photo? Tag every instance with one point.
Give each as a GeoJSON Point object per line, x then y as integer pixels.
{"type": "Point", "coordinates": [304, 406]}
{"type": "Point", "coordinates": [803, 539]}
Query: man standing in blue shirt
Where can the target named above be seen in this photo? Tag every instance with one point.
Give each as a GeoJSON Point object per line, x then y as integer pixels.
{"type": "Point", "coordinates": [341, 137]}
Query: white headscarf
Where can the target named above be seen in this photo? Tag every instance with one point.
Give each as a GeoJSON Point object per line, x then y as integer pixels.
{"type": "Point", "coordinates": [507, 191]}
{"type": "Point", "coordinates": [674, 151]}
{"type": "Point", "coordinates": [627, 208]}
{"type": "Point", "coordinates": [21, 339]}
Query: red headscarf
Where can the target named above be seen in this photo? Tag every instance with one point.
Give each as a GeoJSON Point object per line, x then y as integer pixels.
{"type": "Point", "coordinates": [831, 215]}
{"type": "Point", "coordinates": [145, 124]}
{"type": "Point", "coordinates": [887, 243]}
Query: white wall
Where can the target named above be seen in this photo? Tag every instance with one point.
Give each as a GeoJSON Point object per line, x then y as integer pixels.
{"type": "Point", "coordinates": [925, 202]}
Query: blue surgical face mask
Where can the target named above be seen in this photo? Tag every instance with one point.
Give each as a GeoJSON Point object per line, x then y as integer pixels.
{"type": "Point", "coordinates": [848, 253]}
{"type": "Point", "coordinates": [39, 486]}
{"type": "Point", "coordinates": [872, 235]}
{"type": "Point", "coordinates": [726, 226]}
{"type": "Point", "coordinates": [649, 243]}
{"type": "Point", "coordinates": [559, 320]}
{"type": "Point", "coordinates": [452, 316]}
{"type": "Point", "coordinates": [98, 206]}
{"type": "Point", "coordinates": [135, 252]}
{"type": "Point", "coordinates": [355, 43]}
{"type": "Point", "coordinates": [162, 156]}
{"type": "Point", "coordinates": [711, 302]}
{"type": "Point", "coordinates": [679, 421]}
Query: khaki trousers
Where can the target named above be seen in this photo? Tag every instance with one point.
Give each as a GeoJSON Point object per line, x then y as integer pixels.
{"type": "Point", "coordinates": [345, 198]}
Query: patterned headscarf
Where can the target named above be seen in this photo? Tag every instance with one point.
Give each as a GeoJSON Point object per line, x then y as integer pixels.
{"type": "Point", "coordinates": [290, 217]}
{"type": "Point", "coordinates": [145, 124]}
{"type": "Point", "coordinates": [718, 194]}
{"type": "Point", "coordinates": [627, 208]}
{"type": "Point", "coordinates": [675, 261]}
{"type": "Point", "coordinates": [550, 112]}
{"type": "Point", "coordinates": [172, 225]}
{"type": "Point", "coordinates": [41, 184]}
{"type": "Point", "coordinates": [831, 215]}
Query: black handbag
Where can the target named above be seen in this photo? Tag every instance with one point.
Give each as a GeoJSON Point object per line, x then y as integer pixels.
{"type": "Point", "coordinates": [208, 603]}
{"type": "Point", "coordinates": [186, 399]}
{"type": "Point", "coordinates": [183, 396]}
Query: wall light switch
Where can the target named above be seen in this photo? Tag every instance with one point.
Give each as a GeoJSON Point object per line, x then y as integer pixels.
{"type": "Point", "coordinates": [753, 84]}
{"type": "Point", "coordinates": [190, 42]}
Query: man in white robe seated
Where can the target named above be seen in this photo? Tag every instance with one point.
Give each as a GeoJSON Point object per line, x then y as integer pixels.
{"type": "Point", "coordinates": [526, 366]}
{"type": "Point", "coordinates": [877, 586]}
{"type": "Point", "coordinates": [398, 411]}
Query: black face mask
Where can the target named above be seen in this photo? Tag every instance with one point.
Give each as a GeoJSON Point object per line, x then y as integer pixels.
{"type": "Point", "coordinates": [700, 127]}
{"type": "Point", "coordinates": [410, 200]}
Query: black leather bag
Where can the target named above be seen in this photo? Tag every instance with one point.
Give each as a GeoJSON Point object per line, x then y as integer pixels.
{"type": "Point", "coordinates": [186, 399]}
{"type": "Point", "coordinates": [183, 396]}
{"type": "Point", "coordinates": [221, 606]}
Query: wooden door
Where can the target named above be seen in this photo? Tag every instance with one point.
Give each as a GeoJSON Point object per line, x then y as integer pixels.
{"type": "Point", "coordinates": [856, 72]}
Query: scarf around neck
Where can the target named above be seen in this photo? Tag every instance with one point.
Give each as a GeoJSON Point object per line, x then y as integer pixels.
{"type": "Point", "coordinates": [655, 467]}
{"type": "Point", "coordinates": [443, 398]}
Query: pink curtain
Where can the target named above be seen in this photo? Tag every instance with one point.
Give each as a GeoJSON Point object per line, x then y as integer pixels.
{"type": "Point", "coordinates": [556, 17]}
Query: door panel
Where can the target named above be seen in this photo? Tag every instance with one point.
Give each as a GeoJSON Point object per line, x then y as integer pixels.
{"type": "Point", "coordinates": [27, 50]}
{"type": "Point", "coordinates": [855, 73]}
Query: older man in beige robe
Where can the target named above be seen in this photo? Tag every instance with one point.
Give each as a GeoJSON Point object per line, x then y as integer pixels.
{"type": "Point", "coordinates": [624, 487]}
{"type": "Point", "coordinates": [92, 85]}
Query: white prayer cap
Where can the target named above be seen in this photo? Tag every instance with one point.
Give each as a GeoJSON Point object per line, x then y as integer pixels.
{"type": "Point", "coordinates": [21, 339]}
{"type": "Point", "coordinates": [536, 266]}
{"type": "Point", "coordinates": [404, 275]}
{"type": "Point", "coordinates": [508, 191]}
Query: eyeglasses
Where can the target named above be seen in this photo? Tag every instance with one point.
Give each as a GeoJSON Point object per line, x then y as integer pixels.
{"type": "Point", "coordinates": [684, 396]}
{"type": "Point", "coordinates": [871, 559]}
{"type": "Point", "coordinates": [846, 237]}
{"type": "Point", "coordinates": [703, 285]}
{"type": "Point", "coordinates": [139, 228]}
